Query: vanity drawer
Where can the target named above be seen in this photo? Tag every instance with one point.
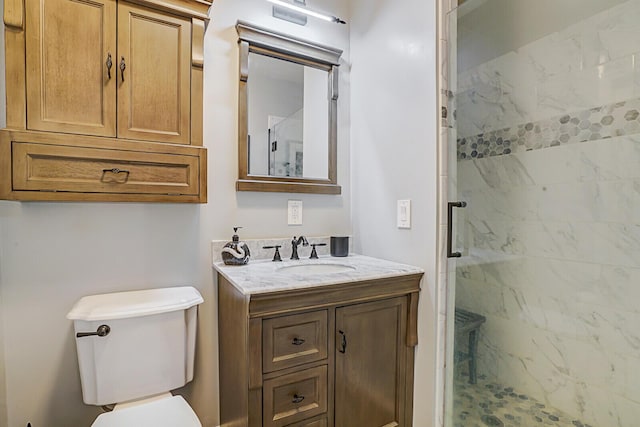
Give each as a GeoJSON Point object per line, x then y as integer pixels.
{"type": "Point", "coordinates": [294, 397]}
{"type": "Point", "coordinates": [293, 340]}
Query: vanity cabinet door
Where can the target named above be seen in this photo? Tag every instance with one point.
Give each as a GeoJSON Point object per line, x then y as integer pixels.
{"type": "Point", "coordinates": [68, 45]}
{"type": "Point", "coordinates": [370, 369]}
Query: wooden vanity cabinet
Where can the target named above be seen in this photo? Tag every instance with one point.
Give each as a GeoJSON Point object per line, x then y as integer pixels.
{"type": "Point", "coordinates": [332, 356]}
{"type": "Point", "coordinates": [104, 100]}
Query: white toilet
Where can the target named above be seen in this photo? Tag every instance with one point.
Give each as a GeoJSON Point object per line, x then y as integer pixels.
{"type": "Point", "coordinates": [133, 349]}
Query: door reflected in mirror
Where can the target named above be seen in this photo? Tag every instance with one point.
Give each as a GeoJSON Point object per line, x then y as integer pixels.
{"type": "Point", "coordinates": [288, 119]}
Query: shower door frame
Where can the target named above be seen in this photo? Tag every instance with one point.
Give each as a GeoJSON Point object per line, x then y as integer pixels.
{"type": "Point", "coordinates": [445, 281]}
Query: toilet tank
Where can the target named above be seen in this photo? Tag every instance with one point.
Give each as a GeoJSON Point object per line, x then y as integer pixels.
{"type": "Point", "coordinates": [149, 349]}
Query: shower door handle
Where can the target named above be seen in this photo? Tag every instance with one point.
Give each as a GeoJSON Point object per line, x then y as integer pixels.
{"type": "Point", "coordinates": [450, 207]}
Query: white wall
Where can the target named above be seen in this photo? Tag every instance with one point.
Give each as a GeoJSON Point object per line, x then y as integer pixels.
{"type": "Point", "coordinates": [54, 253]}
{"type": "Point", "coordinates": [269, 95]}
{"type": "Point", "coordinates": [316, 129]}
{"type": "Point", "coordinates": [393, 132]}
{"type": "Point", "coordinates": [3, 387]}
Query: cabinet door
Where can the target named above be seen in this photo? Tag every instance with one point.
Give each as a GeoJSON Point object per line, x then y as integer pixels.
{"type": "Point", "coordinates": [68, 43]}
{"type": "Point", "coordinates": [370, 364]}
{"type": "Point", "coordinates": [154, 89]}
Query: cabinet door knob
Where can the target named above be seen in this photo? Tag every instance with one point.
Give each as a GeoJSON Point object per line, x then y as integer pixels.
{"type": "Point", "coordinates": [297, 398]}
{"type": "Point", "coordinates": [109, 64]}
{"type": "Point", "coordinates": [343, 342]}
{"type": "Point", "coordinates": [297, 341]}
{"type": "Point", "coordinates": [123, 66]}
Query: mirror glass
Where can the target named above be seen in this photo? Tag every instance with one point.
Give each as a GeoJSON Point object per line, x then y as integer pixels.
{"type": "Point", "coordinates": [288, 121]}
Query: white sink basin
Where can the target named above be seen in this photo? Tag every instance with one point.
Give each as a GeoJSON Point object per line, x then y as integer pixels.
{"type": "Point", "coordinates": [327, 268]}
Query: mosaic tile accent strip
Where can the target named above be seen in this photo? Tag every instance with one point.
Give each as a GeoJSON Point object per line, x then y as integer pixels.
{"type": "Point", "coordinates": [622, 118]}
{"type": "Point", "coordinates": [490, 404]}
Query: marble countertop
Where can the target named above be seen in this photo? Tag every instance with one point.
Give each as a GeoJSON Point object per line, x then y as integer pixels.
{"type": "Point", "coordinates": [265, 276]}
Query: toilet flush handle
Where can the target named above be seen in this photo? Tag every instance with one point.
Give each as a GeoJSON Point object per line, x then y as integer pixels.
{"type": "Point", "coordinates": [103, 331]}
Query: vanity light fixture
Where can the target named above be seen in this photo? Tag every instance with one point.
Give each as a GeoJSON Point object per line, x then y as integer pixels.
{"type": "Point", "coordinates": [302, 10]}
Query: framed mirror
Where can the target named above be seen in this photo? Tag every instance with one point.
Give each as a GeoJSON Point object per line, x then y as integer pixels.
{"type": "Point", "coordinates": [287, 121]}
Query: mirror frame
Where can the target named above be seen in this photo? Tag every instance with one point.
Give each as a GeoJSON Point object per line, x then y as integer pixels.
{"type": "Point", "coordinates": [262, 41]}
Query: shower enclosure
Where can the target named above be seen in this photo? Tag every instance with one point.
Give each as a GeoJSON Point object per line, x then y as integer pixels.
{"type": "Point", "coordinates": [285, 142]}
{"type": "Point", "coordinates": [543, 118]}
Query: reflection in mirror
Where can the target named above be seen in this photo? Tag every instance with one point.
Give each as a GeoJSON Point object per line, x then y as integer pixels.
{"type": "Point", "coordinates": [287, 121]}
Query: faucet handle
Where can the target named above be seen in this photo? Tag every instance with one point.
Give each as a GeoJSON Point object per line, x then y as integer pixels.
{"type": "Point", "coordinates": [276, 256]}
{"type": "Point", "coordinates": [314, 254]}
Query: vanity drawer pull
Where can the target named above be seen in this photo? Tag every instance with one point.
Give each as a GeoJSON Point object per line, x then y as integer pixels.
{"type": "Point", "coordinates": [297, 341]}
{"type": "Point", "coordinates": [297, 398]}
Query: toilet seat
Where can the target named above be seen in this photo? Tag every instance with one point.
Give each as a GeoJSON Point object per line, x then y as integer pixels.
{"type": "Point", "coordinates": [172, 411]}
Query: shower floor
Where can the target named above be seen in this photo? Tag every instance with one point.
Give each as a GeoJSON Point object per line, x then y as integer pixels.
{"type": "Point", "coordinates": [490, 404]}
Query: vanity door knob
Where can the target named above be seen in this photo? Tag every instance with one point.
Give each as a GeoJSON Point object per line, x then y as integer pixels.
{"type": "Point", "coordinates": [343, 342]}
{"type": "Point", "coordinates": [297, 398]}
{"type": "Point", "coordinates": [297, 341]}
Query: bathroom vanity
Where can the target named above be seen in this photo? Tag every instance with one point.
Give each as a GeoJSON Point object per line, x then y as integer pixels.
{"type": "Point", "coordinates": [317, 343]}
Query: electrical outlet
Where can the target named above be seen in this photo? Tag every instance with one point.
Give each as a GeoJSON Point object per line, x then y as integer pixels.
{"type": "Point", "coordinates": [404, 214]}
{"type": "Point", "coordinates": [294, 212]}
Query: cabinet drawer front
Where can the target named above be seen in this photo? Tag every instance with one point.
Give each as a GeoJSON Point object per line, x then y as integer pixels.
{"type": "Point", "coordinates": [295, 397]}
{"type": "Point", "coordinates": [293, 340]}
{"type": "Point", "coordinates": [66, 168]}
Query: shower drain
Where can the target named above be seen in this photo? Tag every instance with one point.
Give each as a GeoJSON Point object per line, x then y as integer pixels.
{"type": "Point", "coordinates": [491, 420]}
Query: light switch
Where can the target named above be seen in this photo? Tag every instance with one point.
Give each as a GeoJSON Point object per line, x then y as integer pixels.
{"type": "Point", "coordinates": [404, 213]}
{"type": "Point", "coordinates": [294, 212]}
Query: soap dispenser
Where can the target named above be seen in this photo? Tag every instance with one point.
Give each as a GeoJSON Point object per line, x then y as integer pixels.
{"type": "Point", "coordinates": [235, 252]}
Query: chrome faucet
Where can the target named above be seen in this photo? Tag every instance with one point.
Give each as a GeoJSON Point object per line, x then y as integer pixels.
{"type": "Point", "coordinates": [294, 245]}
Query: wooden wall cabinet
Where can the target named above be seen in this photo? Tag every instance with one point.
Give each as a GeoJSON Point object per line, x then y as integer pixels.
{"type": "Point", "coordinates": [104, 100]}
{"type": "Point", "coordinates": [333, 356]}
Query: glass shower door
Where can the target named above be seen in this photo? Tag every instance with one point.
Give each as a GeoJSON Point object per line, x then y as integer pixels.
{"type": "Point", "coordinates": [543, 121]}
{"type": "Point", "coordinates": [285, 139]}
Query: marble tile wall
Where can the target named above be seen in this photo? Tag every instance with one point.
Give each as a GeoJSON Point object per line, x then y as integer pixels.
{"type": "Point", "coordinates": [554, 265]}
{"type": "Point", "coordinates": [552, 230]}
{"type": "Point", "coordinates": [590, 64]}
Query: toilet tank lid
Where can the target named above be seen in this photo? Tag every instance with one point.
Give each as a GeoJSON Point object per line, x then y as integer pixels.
{"type": "Point", "coordinates": [122, 305]}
